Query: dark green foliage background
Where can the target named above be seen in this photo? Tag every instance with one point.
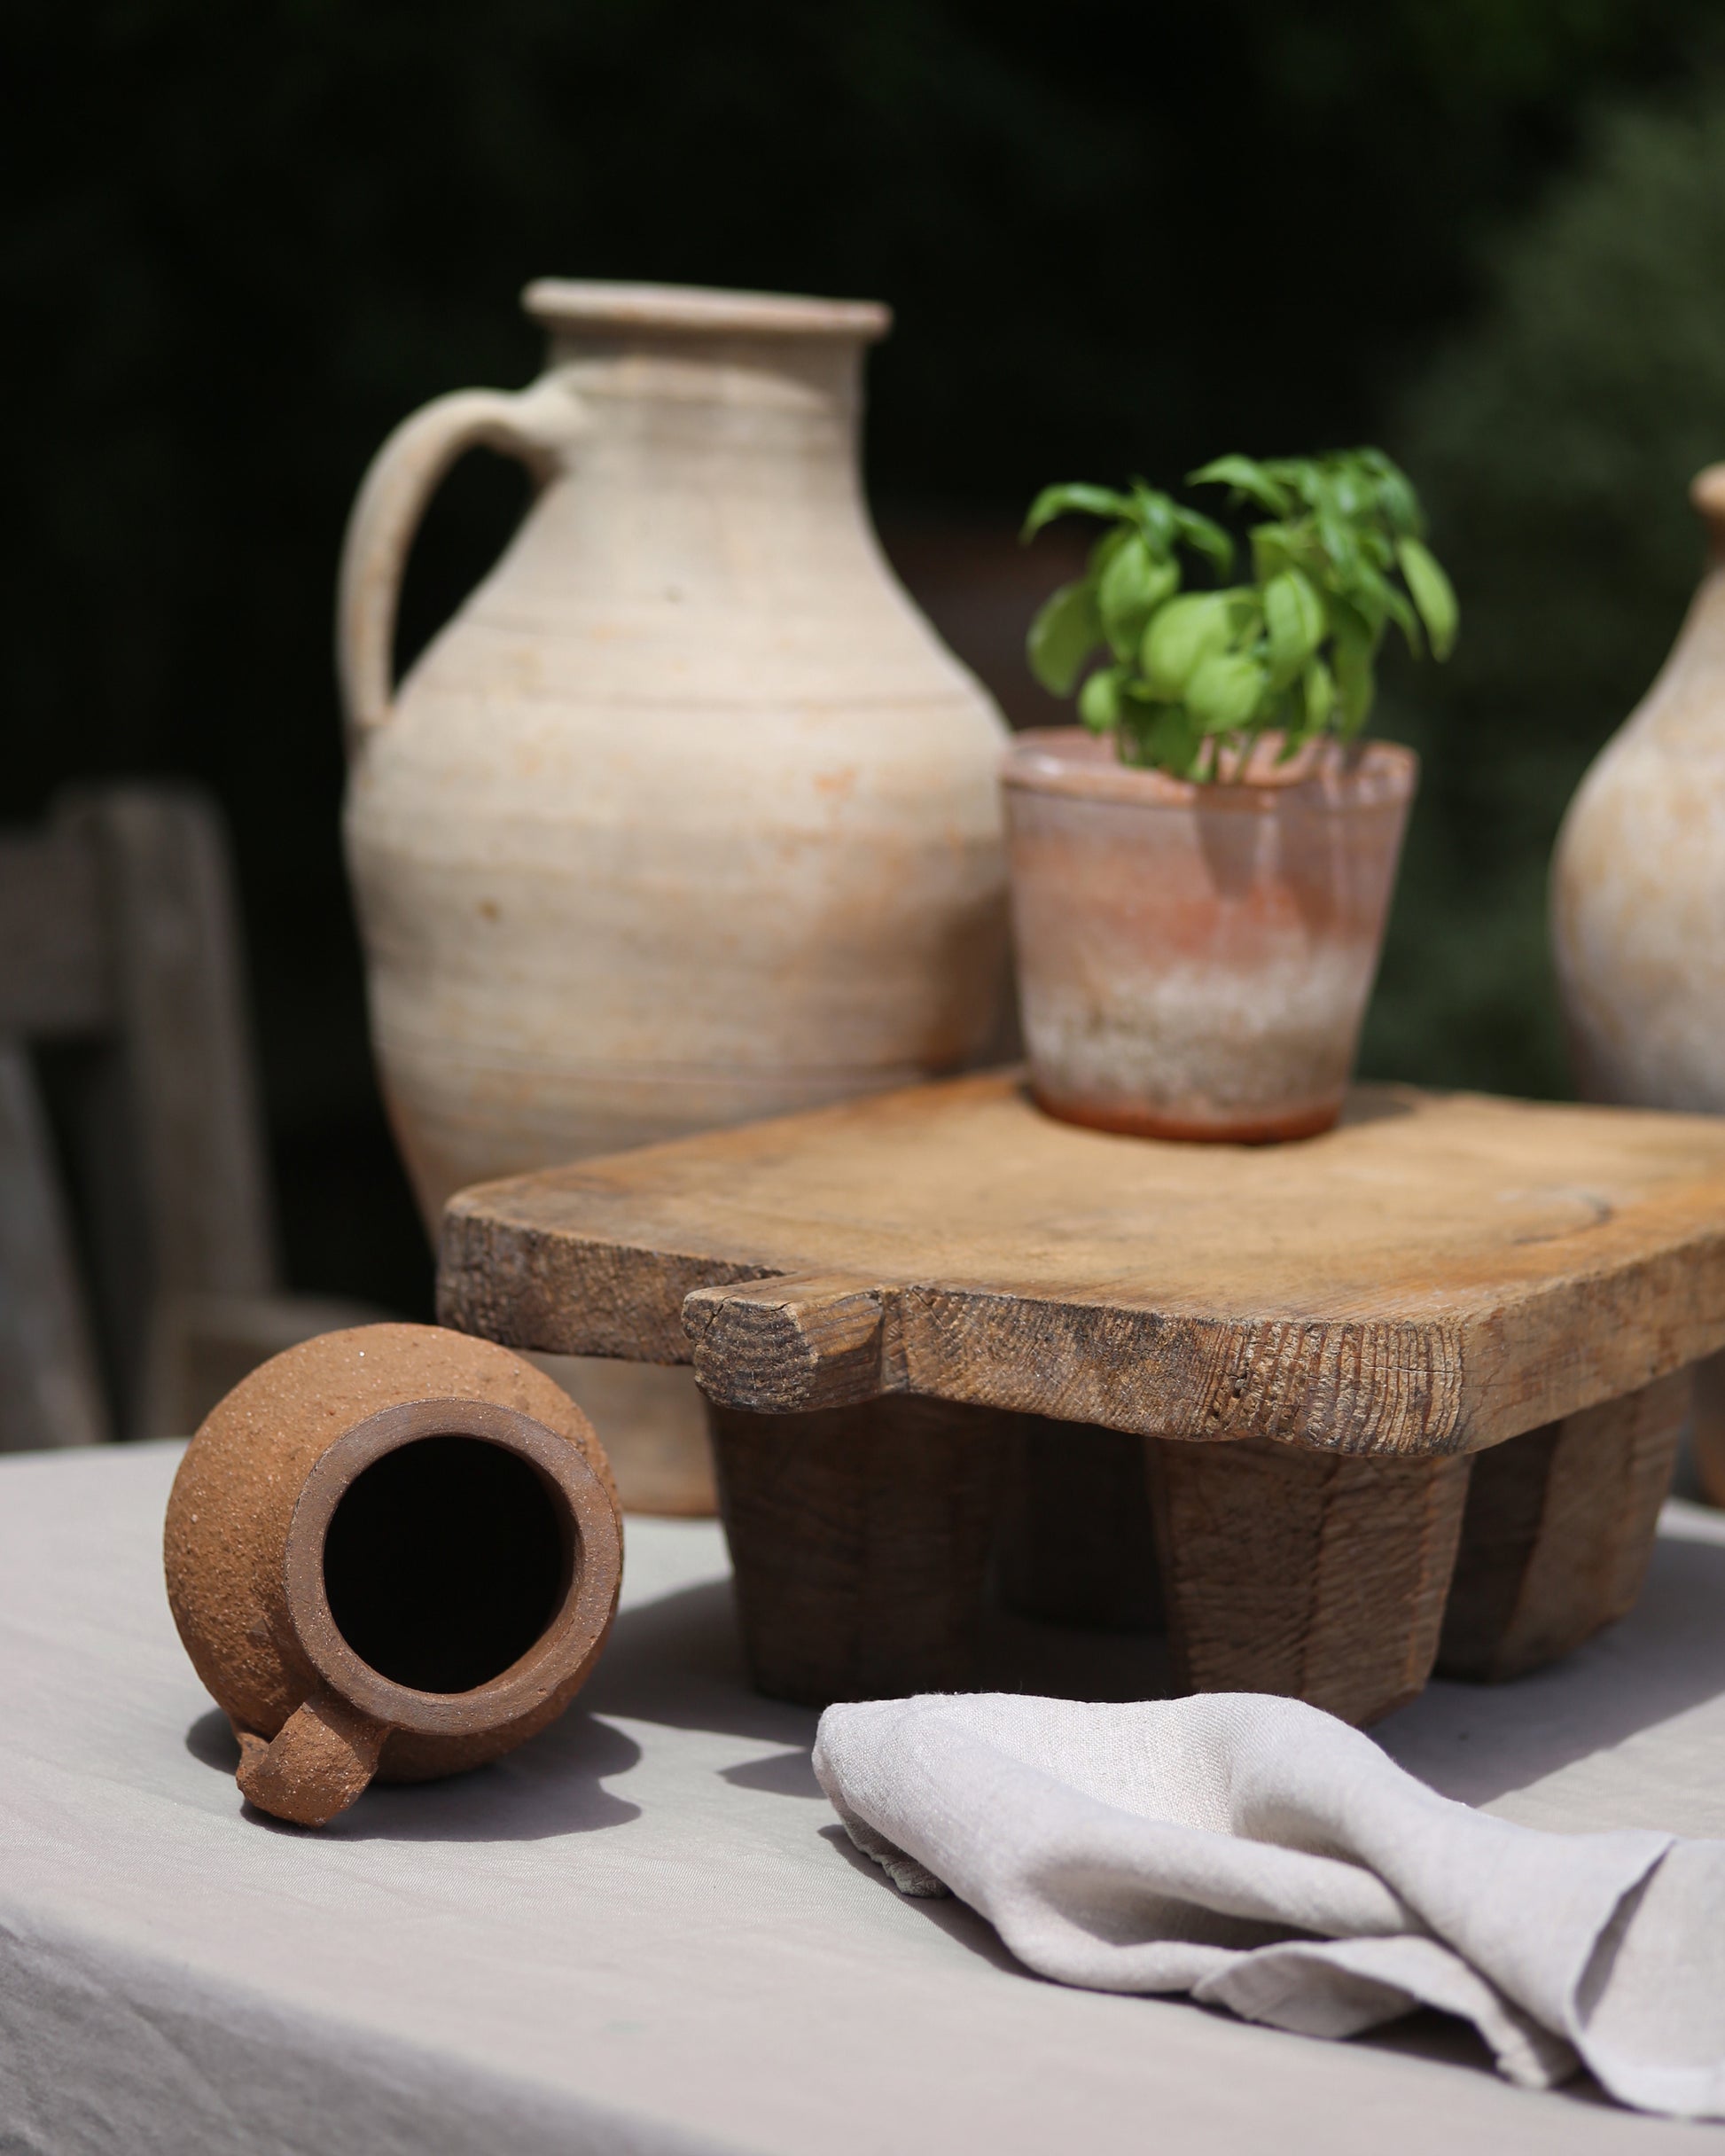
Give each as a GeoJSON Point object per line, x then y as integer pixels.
{"type": "Point", "coordinates": [241, 242]}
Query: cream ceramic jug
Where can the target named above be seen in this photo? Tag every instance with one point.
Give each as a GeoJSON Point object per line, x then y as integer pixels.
{"type": "Point", "coordinates": [687, 818]}
{"type": "Point", "coordinates": [1638, 878]}
{"type": "Point", "coordinates": [1638, 904]}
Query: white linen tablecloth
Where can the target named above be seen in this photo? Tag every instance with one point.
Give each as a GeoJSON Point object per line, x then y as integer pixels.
{"type": "Point", "coordinates": [646, 1933]}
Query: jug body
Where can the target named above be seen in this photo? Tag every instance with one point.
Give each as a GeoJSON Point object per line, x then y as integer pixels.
{"type": "Point", "coordinates": [687, 818]}
{"type": "Point", "coordinates": [1638, 878]}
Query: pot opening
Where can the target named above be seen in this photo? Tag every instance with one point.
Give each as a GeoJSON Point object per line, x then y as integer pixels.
{"type": "Point", "coordinates": [446, 1562]}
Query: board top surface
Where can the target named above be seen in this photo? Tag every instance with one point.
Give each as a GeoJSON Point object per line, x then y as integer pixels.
{"type": "Point", "coordinates": [1439, 1272]}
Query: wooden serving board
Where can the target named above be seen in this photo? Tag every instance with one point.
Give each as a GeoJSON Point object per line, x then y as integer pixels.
{"type": "Point", "coordinates": [1440, 1272]}
{"type": "Point", "coordinates": [1348, 1316]}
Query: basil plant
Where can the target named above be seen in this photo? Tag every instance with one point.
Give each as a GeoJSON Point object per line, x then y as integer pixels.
{"type": "Point", "coordinates": [1189, 673]}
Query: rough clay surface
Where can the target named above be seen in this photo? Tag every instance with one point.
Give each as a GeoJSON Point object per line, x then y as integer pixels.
{"type": "Point", "coordinates": [242, 1475]}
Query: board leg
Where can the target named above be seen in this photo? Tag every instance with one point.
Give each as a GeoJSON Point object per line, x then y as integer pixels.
{"type": "Point", "coordinates": [1707, 1431]}
{"type": "Point", "coordinates": [1319, 1575]}
{"type": "Point", "coordinates": [1077, 1543]}
{"type": "Point", "coordinates": [860, 1537]}
{"type": "Point", "coordinates": [1557, 1533]}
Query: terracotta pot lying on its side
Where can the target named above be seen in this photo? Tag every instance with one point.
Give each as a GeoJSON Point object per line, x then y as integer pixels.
{"type": "Point", "coordinates": [1194, 961]}
{"type": "Point", "coordinates": [391, 1552]}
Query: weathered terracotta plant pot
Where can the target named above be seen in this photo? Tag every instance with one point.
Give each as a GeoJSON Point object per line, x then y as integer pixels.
{"type": "Point", "coordinates": [1194, 960]}
{"type": "Point", "coordinates": [391, 1552]}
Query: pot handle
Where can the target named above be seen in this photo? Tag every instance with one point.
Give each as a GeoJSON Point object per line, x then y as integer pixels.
{"type": "Point", "coordinates": [537, 425]}
{"type": "Point", "coordinates": [323, 1756]}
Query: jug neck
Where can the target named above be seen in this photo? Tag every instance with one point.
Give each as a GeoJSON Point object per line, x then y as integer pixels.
{"type": "Point", "coordinates": [714, 388]}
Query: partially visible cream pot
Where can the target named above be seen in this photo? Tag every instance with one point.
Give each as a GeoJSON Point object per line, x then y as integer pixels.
{"type": "Point", "coordinates": [1638, 877]}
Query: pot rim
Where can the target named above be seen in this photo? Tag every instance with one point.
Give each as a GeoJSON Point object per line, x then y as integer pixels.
{"type": "Point", "coordinates": [580, 1620]}
{"type": "Point", "coordinates": [1074, 761]}
{"type": "Point", "coordinates": [563, 303]}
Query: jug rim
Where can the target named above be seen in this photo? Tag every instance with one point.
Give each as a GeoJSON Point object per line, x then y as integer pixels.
{"type": "Point", "coordinates": [699, 310]}
{"type": "Point", "coordinates": [570, 1640]}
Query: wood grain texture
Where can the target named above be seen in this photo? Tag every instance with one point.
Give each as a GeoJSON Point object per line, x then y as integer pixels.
{"type": "Point", "coordinates": [1320, 1578]}
{"type": "Point", "coordinates": [1439, 1273]}
{"type": "Point", "coordinates": [860, 1537]}
{"type": "Point", "coordinates": [1558, 1531]}
{"type": "Point", "coordinates": [1707, 1431]}
{"type": "Point", "coordinates": [180, 1200]}
{"type": "Point", "coordinates": [50, 1385]}
{"type": "Point", "coordinates": [118, 930]}
{"type": "Point", "coordinates": [56, 979]}
{"type": "Point", "coordinates": [775, 1345]}
{"type": "Point", "coordinates": [173, 924]}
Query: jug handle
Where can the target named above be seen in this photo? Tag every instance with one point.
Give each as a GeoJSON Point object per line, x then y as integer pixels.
{"type": "Point", "coordinates": [535, 424]}
{"type": "Point", "coordinates": [321, 1758]}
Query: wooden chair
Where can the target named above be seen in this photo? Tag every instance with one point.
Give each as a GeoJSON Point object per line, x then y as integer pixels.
{"type": "Point", "coordinates": [138, 1269]}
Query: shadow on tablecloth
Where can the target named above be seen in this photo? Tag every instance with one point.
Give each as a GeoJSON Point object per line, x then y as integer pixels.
{"type": "Point", "coordinates": [553, 1785]}
{"type": "Point", "coordinates": [678, 1661]}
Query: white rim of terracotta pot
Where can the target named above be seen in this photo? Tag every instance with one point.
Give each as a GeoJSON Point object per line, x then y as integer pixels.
{"type": "Point", "coordinates": [700, 310]}
{"type": "Point", "coordinates": [1071, 761]}
{"type": "Point", "coordinates": [576, 1627]}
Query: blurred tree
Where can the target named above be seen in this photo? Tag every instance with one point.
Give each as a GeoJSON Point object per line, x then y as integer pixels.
{"type": "Point", "coordinates": [241, 243]}
{"type": "Point", "coordinates": [1555, 440]}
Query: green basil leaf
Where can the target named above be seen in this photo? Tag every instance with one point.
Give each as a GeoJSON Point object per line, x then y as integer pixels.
{"type": "Point", "coordinates": [1397, 503]}
{"type": "Point", "coordinates": [1433, 594]}
{"type": "Point", "coordinates": [1182, 634]}
{"type": "Point", "coordinates": [1349, 625]}
{"type": "Point", "coordinates": [1067, 629]}
{"type": "Point", "coordinates": [1099, 699]}
{"type": "Point", "coordinates": [1295, 621]}
{"type": "Point", "coordinates": [1246, 477]}
{"type": "Point", "coordinates": [1074, 499]}
{"type": "Point", "coordinates": [1224, 692]}
{"type": "Point", "coordinates": [1318, 692]}
{"type": "Point", "coordinates": [1354, 648]}
{"type": "Point", "coordinates": [1355, 685]}
{"type": "Point", "coordinates": [1393, 494]}
{"type": "Point", "coordinates": [1275, 547]}
{"type": "Point", "coordinates": [1375, 545]}
{"type": "Point", "coordinates": [1167, 739]}
{"type": "Point", "coordinates": [1204, 538]}
{"type": "Point", "coordinates": [1155, 515]}
{"type": "Point", "coordinates": [1164, 582]}
{"type": "Point", "coordinates": [1130, 589]}
{"type": "Point", "coordinates": [1336, 536]}
{"type": "Point", "coordinates": [1351, 492]}
{"type": "Point", "coordinates": [1246, 614]}
{"type": "Point", "coordinates": [1379, 600]}
{"type": "Point", "coordinates": [1105, 549]}
{"type": "Point", "coordinates": [1302, 479]}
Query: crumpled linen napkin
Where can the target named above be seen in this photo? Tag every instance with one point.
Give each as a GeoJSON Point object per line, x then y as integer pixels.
{"type": "Point", "coordinates": [1264, 1856]}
